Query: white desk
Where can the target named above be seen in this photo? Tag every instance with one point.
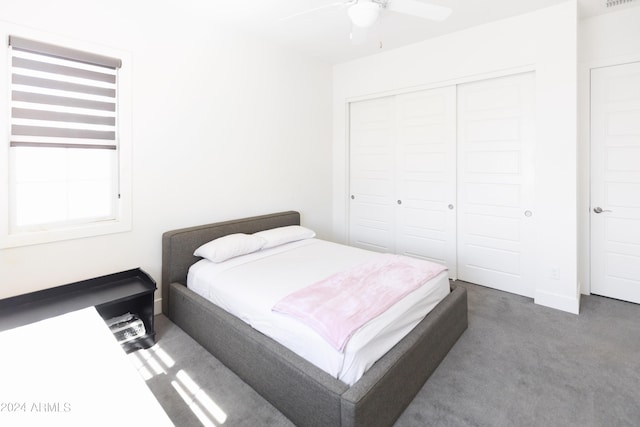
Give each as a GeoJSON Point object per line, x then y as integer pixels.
{"type": "Point", "coordinates": [69, 370]}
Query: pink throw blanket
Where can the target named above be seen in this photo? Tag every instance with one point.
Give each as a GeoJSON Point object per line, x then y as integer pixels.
{"type": "Point", "coordinates": [340, 304]}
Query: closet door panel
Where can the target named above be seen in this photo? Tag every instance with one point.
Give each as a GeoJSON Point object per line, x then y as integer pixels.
{"type": "Point", "coordinates": [495, 183]}
{"type": "Point", "coordinates": [372, 174]}
{"type": "Point", "coordinates": [425, 170]}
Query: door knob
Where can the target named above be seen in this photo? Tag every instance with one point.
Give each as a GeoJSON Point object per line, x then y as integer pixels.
{"type": "Point", "coordinates": [599, 210]}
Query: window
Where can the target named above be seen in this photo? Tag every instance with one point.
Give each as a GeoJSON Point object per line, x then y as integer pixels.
{"type": "Point", "coordinates": [67, 157]}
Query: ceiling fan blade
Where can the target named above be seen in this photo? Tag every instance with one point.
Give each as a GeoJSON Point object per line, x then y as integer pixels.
{"type": "Point", "coordinates": [315, 9]}
{"type": "Point", "coordinates": [419, 9]}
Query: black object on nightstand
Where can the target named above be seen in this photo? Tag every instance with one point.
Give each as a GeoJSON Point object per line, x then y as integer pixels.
{"type": "Point", "coordinates": [118, 294]}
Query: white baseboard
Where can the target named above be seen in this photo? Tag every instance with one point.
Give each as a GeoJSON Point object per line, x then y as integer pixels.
{"type": "Point", "coordinates": [157, 306]}
{"type": "Point", "coordinates": [559, 302]}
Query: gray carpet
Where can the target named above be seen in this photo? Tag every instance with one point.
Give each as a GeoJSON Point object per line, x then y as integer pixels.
{"type": "Point", "coordinates": [518, 364]}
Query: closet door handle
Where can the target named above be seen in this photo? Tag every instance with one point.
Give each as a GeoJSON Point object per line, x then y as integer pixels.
{"type": "Point", "coordinates": [599, 210]}
{"type": "Point", "coordinates": [399, 201]}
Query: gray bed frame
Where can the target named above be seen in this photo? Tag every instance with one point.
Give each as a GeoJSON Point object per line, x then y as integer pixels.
{"type": "Point", "coordinates": [304, 393]}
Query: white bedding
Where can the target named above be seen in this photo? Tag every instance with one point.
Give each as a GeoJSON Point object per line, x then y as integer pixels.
{"type": "Point", "coordinates": [250, 285]}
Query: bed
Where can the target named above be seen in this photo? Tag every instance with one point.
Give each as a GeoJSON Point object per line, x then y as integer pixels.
{"type": "Point", "coordinates": [303, 392]}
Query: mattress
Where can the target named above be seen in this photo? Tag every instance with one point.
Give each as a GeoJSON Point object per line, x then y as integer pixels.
{"type": "Point", "coordinates": [250, 285]}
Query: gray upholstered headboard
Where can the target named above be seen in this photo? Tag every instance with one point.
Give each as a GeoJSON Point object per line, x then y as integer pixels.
{"type": "Point", "coordinates": [178, 245]}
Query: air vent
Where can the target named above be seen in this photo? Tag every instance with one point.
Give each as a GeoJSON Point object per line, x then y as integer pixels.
{"type": "Point", "coordinates": [613, 3]}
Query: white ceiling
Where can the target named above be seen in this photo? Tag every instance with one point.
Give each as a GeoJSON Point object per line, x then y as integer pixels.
{"type": "Point", "coordinates": [324, 33]}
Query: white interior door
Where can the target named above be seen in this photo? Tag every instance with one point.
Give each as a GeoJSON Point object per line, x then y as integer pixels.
{"type": "Point", "coordinates": [495, 183]}
{"type": "Point", "coordinates": [372, 174]}
{"type": "Point", "coordinates": [426, 175]}
{"type": "Point", "coordinates": [615, 182]}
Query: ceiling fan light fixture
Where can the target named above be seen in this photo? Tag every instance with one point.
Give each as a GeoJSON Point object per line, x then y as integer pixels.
{"type": "Point", "coordinates": [364, 13]}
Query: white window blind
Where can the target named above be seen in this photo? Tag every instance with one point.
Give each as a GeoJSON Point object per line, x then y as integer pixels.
{"type": "Point", "coordinates": [64, 135]}
{"type": "Point", "coordinates": [62, 97]}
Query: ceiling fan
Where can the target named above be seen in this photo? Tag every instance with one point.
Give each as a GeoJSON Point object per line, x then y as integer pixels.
{"type": "Point", "coordinates": [364, 13]}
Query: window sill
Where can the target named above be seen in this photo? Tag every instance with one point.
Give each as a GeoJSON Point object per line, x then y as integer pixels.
{"type": "Point", "coordinates": [69, 233]}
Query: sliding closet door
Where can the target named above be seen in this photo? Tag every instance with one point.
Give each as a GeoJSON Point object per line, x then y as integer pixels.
{"type": "Point", "coordinates": [447, 174]}
{"type": "Point", "coordinates": [402, 175]}
{"type": "Point", "coordinates": [372, 161]}
{"type": "Point", "coordinates": [426, 175]}
{"type": "Point", "coordinates": [495, 183]}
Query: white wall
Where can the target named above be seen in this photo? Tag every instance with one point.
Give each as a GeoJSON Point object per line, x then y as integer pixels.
{"type": "Point", "coordinates": [604, 40]}
{"type": "Point", "coordinates": [544, 41]}
{"type": "Point", "coordinates": [223, 126]}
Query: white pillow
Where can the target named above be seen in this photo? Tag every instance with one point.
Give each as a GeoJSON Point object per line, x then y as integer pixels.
{"type": "Point", "coordinates": [229, 246]}
{"type": "Point", "coordinates": [281, 235]}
